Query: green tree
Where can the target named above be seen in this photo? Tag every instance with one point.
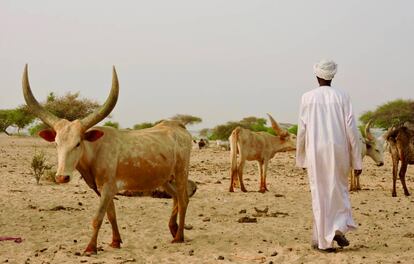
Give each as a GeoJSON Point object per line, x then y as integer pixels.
{"type": "Point", "coordinates": [5, 121]}
{"type": "Point", "coordinates": [112, 124]}
{"type": "Point", "coordinates": [187, 119]}
{"type": "Point", "coordinates": [390, 114]}
{"type": "Point", "coordinates": [223, 131]}
{"type": "Point", "coordinates": [253, 123]}
{"type": "Point", "coordinates": [143, 125]}
{"type": "Point", "coordinates": [21, 117]}
{"type": "Point", "coordinates": [205, 132]}
{"type": "Point", "coordinates": [36, 128]}
{"type": "Point", "coordinates": [70, 106]}
{"type": "Point", "coordinates": [293, 129]}
{"type": "Point", "coordinates": [256, 124]}
{"type": "Point", "coordinates": [51, 97]}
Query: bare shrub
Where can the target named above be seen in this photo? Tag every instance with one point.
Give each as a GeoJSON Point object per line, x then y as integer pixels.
{"type": "Point", "coordinates": [39, 165]}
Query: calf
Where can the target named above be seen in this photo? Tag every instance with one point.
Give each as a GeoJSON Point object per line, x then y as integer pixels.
{"type": "Point", "coordinates": [259, 146]}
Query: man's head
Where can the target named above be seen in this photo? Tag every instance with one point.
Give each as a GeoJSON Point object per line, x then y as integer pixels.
{"type": "Point", "coordinates": [325, 70]}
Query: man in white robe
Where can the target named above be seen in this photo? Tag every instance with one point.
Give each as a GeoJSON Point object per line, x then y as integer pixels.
{"type": "Point", "coordinates": [327, 145]}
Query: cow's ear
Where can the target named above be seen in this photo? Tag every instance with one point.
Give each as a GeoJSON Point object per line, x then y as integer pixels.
{"type": "Point", "coordinates": [93, 135]}
{"type": "Point", "coordinates": [48, 134]}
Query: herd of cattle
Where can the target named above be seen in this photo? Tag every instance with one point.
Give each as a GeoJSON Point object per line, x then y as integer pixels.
{"type": "Point", "coordinates": [112, 161]}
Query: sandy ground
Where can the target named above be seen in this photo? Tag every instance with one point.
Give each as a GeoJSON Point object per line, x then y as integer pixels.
{"type": "Point", "coordinates": [385, 234]}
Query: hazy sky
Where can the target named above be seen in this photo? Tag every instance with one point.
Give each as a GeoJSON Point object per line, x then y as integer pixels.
{"type": "Point", "coordinates": [220, 60]}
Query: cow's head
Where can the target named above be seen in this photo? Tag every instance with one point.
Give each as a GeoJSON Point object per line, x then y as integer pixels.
{"type": "Point", "coordinates": [69, 136]}
{"type": "Point", "coordinates": [375, 146]}
{"type": "Point", "coordinates": [287, 139]}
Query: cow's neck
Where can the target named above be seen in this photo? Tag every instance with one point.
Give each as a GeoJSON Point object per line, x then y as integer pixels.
{"type": "Point", "coordinates": [85, 167]}
{"type": "Point", "coordinates": [277, 144]}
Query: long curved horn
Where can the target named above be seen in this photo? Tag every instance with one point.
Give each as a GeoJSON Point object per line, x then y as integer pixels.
{"type": "Point", "coordinates": [280, 132]}
{"type": "Point", "coordinates": [106, 108]}
{"type": "Point", "coordinates": [368, 134]}
{"type": "Point", "coordinates": [34, 105]}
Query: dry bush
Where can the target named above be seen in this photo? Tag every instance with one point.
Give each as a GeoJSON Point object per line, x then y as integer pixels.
{"type": "Point", "coordinates": [39, 165]}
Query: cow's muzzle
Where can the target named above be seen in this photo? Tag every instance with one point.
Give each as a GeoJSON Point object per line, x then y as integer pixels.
{"type": "Point", "coordinates": [62, 178]}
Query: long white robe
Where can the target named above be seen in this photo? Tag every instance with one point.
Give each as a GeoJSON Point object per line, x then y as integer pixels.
{"type": "Point", "coordinates": [327, 145]}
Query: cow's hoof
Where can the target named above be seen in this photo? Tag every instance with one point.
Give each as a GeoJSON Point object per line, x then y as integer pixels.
{"type": "Point", "coordinates": [116, 244]}
{"type": "Point", "coordinates": [231, 190]}
{"type": "Point", "coordinates": [90, 250]}
{"type": "Point", "coordinates": [178, 240]}
{"type": "Point", "coordinates": [407, 193]}
{"type": "Point", "coordinates": [262, 190]}
{"type": "Point", "coordinates": [394, 194]}
{"type": "Point", "coordinates": [243, 189]}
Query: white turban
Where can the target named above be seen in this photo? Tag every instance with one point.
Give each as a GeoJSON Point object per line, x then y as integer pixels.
{"type": "Point", "coordinates": [325, 69]}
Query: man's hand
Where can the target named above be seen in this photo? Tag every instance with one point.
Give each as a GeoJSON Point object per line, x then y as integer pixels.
{"type": "Point", "coordinates": [357, 172]}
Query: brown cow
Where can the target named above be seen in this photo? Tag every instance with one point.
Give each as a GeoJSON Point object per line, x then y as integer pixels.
{"type": "Point", "coordinates": [260, 146]}
{"type": "Point", "coordinates": [401, 146]}
{"type": "Point", "coordinates": [113, 161]}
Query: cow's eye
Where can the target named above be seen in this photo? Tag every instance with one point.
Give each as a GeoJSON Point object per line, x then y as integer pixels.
{"type": "Point", "coordinates": [77, 145]}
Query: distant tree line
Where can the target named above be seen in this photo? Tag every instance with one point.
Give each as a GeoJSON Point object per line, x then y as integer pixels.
{"type": "Point", "coordinates": [392, 113]}
{"type": "Point", "coordinates": [186, 120]}
{"type": "Point", "coordinates": [71, 107]}
{"type": "Point", "coordinates": [18, 118]}
{"type": "Point", "coordinates": [223, 131]}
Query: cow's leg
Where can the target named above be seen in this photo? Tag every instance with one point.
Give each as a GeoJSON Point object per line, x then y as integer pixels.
{"type": "Point", "coordinates": [106, 197]}
{"type": "Point", "coordinates": [265, 165]}
{"type": "Point", "coordinates": [233, 177]}
{"type": "Point", "coordinates": [111, 214]}
{"type": "Point", "coordinates": [403, 171]}
{"type": "Point", "coordinates": [352, 187]}
{"type": "Point", "coordinates": [358, 186]}
{"type": "Point", "coordinates": [262, 187]}
{"type": "Point", "coordinates": [240, 168]}
{"type": "Point", "coordinates": [394, 176]}
{"type": "Point", "coordinates": [172, 224]}
{"type": "Point", "coordinates": [182, 196]}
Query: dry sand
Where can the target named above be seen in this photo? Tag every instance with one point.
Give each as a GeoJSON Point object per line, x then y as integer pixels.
{"type": "Point", "coordinates": [385, 234]}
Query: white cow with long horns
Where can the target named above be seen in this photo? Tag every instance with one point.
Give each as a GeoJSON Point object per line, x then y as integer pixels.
{"type": "Point", "coordinates": [111, 161]}
{"type": "Point", "coordinates": [372, 147]}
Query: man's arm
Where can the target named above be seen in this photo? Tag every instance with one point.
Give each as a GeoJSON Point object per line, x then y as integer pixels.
{"type": "Point", "coordinates": [301, 139]}
{"type": "Point", "coordinates": [352, 134]}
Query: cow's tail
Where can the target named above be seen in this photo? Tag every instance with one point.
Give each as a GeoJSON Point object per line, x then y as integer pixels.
{"type": "Point", "coordinates": [234, 138]}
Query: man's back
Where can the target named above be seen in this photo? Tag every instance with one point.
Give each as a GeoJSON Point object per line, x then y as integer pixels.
{"type": "Point", "coordinates": [325, 112]}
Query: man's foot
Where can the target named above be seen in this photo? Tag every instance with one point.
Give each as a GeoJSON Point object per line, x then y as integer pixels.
{"type": "Point", "coordinates": [326, 250]}
{"type": "Point", "coordinates": [341, 240]}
